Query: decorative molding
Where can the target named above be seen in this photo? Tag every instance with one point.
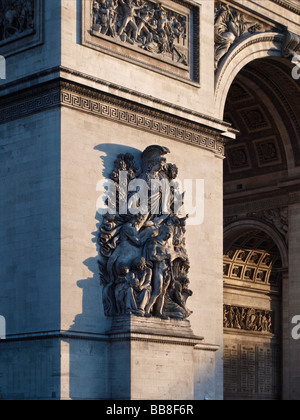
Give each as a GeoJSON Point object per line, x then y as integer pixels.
{"type": "Point", "coordinates": [64, 93]}
{"type": "Point", "coordinates": [152, 338]}
{"type": "Point", "coordinates": [178, 332]}
{"type": "Point", "coordinates": [288, 4]}
{"type": "Point", "coordinates": [29, 102]}
{"type": "Point", "coordinates": [21, 25]}
{"type": "Point", "coordinates": [276, 217]}
{"type": "Point", "coordinates": [143, 121]}
{"type": "Point", "coordinates": [163, 37]}
{"type": "Point", "coordinates": [65, 72]}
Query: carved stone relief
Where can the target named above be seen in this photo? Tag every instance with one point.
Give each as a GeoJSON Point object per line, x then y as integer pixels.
{"type": "Point", "coordinates": [277, 217]}
{"type": "Point", "coordinates": [16, 19]}
{"type": "Point", "coordinates": [143, 261]}
{"type": "Point", "coordinates": [248, 319]}
{"type": "Point", "coordinates": [144, 24]}
{"type": "Point", "coordinates": [21, 25]}
{"type": "Point", "coordinates": [232, 25]}
{"type": "Point", "coordinates": [161, 36]}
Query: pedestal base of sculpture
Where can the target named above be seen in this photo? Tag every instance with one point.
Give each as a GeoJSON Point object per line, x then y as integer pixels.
{"type": "Point", "coordinates": [152, 359]}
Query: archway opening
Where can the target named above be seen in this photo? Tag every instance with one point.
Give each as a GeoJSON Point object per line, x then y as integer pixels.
{"type": "Point", "coordinates": [263, 106]}
{"type": "Point", "coordinates": [252, 317]}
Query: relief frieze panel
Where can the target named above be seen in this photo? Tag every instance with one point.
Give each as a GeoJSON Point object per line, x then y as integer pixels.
{"type": "Point", "coordinates": [20, 25]}
{"type": "Point", "coordinates": [144, 24]}
{"type": "Point", "coordinates": [248, 319]}
{"type": "Point", "coordinates": [16, 19]}
{"type": "Point", "coordinates": [160, 36]}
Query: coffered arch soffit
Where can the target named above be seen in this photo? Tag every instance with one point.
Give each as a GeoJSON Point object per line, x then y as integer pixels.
{"type": "Point", "coordinates": [255, 70]}
{"type": "Point", "coordinates": [245, 227]}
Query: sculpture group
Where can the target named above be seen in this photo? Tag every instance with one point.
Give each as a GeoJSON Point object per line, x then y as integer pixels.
{"type": "Point", "coordinates": [144, 24]}
{"type": "Point", "coordinates": [143, 261]}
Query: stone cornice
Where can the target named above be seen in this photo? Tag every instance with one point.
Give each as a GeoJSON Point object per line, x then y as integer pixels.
{"type": "Point", "coordinates": [87, 80]}
{"type": "Point", "coordinates": [65, 93]}
{"type": "Point", "coordinates": [287, 4]}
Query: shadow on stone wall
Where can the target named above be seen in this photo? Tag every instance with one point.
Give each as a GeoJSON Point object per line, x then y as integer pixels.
{"type": "Point", "coordinates": [88, 348]}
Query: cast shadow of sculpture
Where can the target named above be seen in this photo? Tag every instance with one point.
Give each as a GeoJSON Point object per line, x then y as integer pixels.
{"type": "Point", "coordinates": [88, 351]}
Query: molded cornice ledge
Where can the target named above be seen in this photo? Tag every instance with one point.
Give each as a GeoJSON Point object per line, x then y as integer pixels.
{"type": "Point", "coordinates": [60, 92]}
{"type": "Point", "coordinates": [287, 4]}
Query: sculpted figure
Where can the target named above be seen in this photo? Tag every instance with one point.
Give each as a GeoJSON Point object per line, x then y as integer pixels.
{"type": "Point", "coordinates": [130, 245]}
{"type": "Point", "coordinates": [224, 37]}
{"type": "Point", "coordinates": [159, 258]}
{"type": "Point", "coordinates": [129, 10]}
{"type": "Point", "coordinates": [122, 283]}
{"type": "Point", "coordinates": [145, 28]}
{"type": "Point", "coordinates": [175, 302]}
{"type": "Point", "coordinates": [143, 274]}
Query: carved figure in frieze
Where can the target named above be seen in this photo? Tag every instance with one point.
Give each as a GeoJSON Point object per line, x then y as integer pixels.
{"type": "Point", "coordinates": [175, 299]}
{"type": "Point", "coordinates": [248, 319]}
{"type": "Point", "coordinates": [143, 260]}
{"type": "Point", "coordinates": [128, 23]}
{"type": "Point", "coordinates": [146, 25]}
{"type": "Point", "coordinates": [131, 241]}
